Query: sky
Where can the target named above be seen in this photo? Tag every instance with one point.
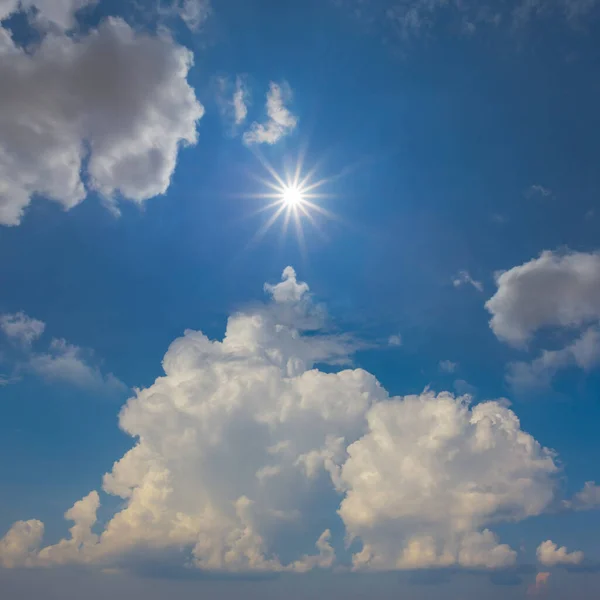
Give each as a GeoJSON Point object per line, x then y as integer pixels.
{"type": "Point", "coordinates": [299, 298]}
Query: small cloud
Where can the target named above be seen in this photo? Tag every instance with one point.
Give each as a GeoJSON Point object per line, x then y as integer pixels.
{"type": "Point", "coordinates": [586, 499]}
{"type": "Point", "coordinates": [541, 582]}
{"type": "Point", "coordinates": [464, 277]}
{"type": "Point", "coordinates": [194, 13]}
{"type": "Point", "coordinates": [233, 100]}
{"type": "Point", "coordinates": [280, 120]}
{"type": "Point", "coordinates": [447, 366]}
{"type": "Point", "coordinates": [589, 215]}
{"type": "Point", "coordinates": [395, 340]}
{"type": "Point", "coordinates": [66, 363]}
{"type": "Point", "coordinates": [22, 328]}
{"type": "Point", "coordinates": [538, 190]}
{"type": "Point", "coordinates": [550, 555]}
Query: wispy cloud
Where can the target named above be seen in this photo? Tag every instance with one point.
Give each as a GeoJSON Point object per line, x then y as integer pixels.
{"type": "Point", "coordinates": [280, 120]}
{"type": "Point", "coordinates": [463, 277]}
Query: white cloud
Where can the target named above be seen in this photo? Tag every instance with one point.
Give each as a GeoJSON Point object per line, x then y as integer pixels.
{"type": "Point", "coordinates": [439, 470]}
{"type": "Point", "coordinates": [67, 363]}
{"type": "Point", "coordinates": [550, 555]}
{"type": "Point", "coordinates": [193, 12]}
{"type": "Point", "coordinates": [112, 105]}
{"type": "Point", "coordinates": [20, 545]}
{"type": "Point", "coordinates": [233, 100]}
{"type": "Point", "coordinates": [59, 14]}
{"type": "Point", "coordinates": [447, 366]}
{"type": "Point", "coordinates": [538, 374]}
{"type": "Point", "coordinates": [395, 340]}
{"type": "Point", "coordinates": [280, 120]}
{"type": "Point", "coordinates": [560, 290]}
{"type": "Point", "coordinates": [21, 327]}
{"type": "Point", "coordinates": [464, 277]}
{"type": "Point", "coordinates": [241, 438]}
{"type": "Point", "coordinates": [586, 499]}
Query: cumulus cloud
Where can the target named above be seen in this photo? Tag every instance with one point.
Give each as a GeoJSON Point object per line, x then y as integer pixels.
{"type": "Point", "coordinates": [440, 470]}
{"type": "Point", "coordinates": [464, 277]}
{"type": "Point", "coordinates": [553, 290]}
{"type": "Point", "coordinates": [21, 327]}
{"type": "Point", "coordinates": [280, 120]}
{"type": "Point", "coordinates": [550, 555]}
{"type": "Point", "coordinates": [103, 112]}
{"type": "Point", "coordinates": [241, 439]}
{"type": "Point", "coordinates": [20, 545]}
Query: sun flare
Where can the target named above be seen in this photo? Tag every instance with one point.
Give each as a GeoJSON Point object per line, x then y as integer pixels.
{"type": "Point", "coordinates": [292, 196]}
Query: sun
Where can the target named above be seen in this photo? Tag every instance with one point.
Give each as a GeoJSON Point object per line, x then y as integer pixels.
{"type": "Point", "coordinates": [292, 196]}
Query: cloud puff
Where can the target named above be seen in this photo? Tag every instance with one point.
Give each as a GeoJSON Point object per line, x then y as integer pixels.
{"type": "Point", "coordinates": [22, 328]}
{"type": "Point", "coordinates": [280, 120]}
{"type": "Point", "coordinates": [586, 499]}
{"type": "Point", "coordinates": [65, 362]}
{"type": "Point", "coordinates": [244, 440]}
{"type": "Point", "coordinates": [104, 112]}
{"type": "Point", "coordinates": [550, 555]}
{"type": "Point", "coordinates": [552, 290]}
{"type": "Point", "coordinates": [464, 277]}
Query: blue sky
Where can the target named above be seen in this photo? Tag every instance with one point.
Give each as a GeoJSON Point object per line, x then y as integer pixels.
{"type": "Point", "coordinates": [452, 287]}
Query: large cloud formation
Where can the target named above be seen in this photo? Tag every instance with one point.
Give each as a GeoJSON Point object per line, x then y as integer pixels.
{"type": "Point", "coordinates": [106, 112]}
{"type": "Point", "coordinates": [247, 454]}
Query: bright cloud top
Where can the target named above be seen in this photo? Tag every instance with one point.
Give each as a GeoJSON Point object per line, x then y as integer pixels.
{"type": "Point", "coordinates": [240, 440]}
{"type": "Point", "coordinates": [115, 101]}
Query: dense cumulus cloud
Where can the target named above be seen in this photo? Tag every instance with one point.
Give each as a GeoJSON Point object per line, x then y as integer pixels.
{"type": "Point", "coordinates": [243, 441]}
{"type": "Point", "coordinates": [102, 112]}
